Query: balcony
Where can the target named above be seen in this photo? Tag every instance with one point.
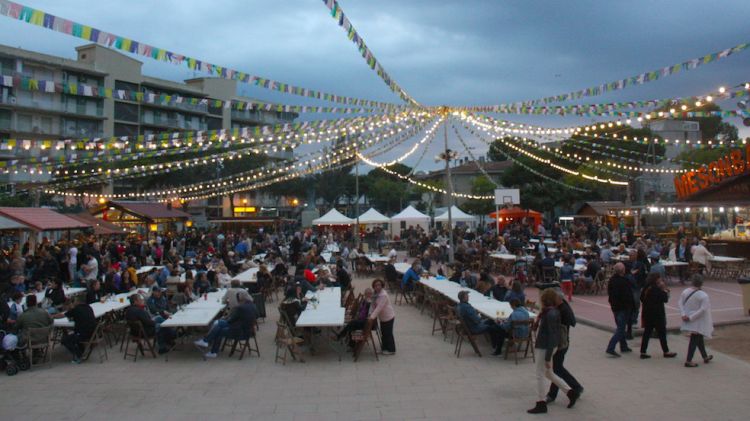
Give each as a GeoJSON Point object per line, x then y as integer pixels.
{"type": "Point", "coordinates": [90, 108]}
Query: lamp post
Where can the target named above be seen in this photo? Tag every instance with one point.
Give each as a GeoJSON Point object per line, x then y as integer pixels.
{"type": "Point", "coordinates": [447, 156]}
{"type": "Point", "coordinates": [356, 194]}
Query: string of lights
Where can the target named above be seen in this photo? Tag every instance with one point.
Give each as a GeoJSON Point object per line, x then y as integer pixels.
{"type": "Point", "coordinates": [473, 158]}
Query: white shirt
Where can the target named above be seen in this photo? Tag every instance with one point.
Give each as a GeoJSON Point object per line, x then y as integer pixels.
{"type": "Point", "coordinates": [93, 266]}
{"type": "Point", "coordinates": [392, 254]}
{"type": "Point", "coordinates": [698, 309]}
{"type": "Point", "coordinates": [701, 254]}
{"type": "Point", "coordinates": [73, 253]}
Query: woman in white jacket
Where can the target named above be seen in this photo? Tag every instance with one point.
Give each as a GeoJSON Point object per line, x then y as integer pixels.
{"type": "Point", "coordinates": [695, 308]}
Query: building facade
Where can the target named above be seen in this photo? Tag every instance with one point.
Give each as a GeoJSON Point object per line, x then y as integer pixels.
{"type": "Point", "coordinates": [463, 173]}
{"type": "Point", "coordinates": [27, 113]}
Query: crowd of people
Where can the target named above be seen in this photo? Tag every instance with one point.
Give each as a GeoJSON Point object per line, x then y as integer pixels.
{"type": "Point", "coordinates": [303, 261]}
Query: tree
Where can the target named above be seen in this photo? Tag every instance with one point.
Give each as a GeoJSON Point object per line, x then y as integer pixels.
{"type": "Point", "coordinates": [430, 194]}
{"type": "Point", "coordinates": [481, 186]}
{"type": "Point", "coordinates": [494, 153]}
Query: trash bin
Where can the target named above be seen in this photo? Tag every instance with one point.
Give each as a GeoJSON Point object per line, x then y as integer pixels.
{"type": "Point", "coordinates": [745, 287]}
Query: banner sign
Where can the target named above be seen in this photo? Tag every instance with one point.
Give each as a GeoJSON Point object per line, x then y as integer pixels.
{"type": "Point", "coordinates": [731, 165]}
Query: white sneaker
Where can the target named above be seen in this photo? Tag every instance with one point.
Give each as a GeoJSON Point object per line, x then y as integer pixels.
{"type": "Point", "coordinates": [387, 353]}
{"type": "Point", "coordinates": [210, 355]}
{"type": "Point", "coordinates": [201, 343]}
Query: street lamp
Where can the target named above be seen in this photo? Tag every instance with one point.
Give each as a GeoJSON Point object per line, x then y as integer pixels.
{"type": "Point", "coordinates": [447, 156]}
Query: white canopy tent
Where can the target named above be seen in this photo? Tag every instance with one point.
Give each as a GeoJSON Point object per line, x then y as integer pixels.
{"type": "Point", "coordinates": [457, 215]}
{"type": "Point", "coordinates": [409, 217]}
{"type": "Point", "coordinates": [333, 217]}
{"type": "Point", "coordinates": [373, 217]}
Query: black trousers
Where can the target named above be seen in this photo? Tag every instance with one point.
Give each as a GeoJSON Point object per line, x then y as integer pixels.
{"type": "Point", "coordinates": [696, 341]}
{"type": "Point", "coordinates": [386, 332]}
{"type": "Point", "coordinates": [558, 358]}
{"type": "Point", "coordinates": [661, 330]}
{"type": "Point", "coordinates": [72, 343]}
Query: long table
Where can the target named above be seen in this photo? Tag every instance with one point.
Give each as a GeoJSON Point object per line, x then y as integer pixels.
{"type": "Point", "coordinates": [146, 269]}
{"type": "Point", "coordinates": [119, 302]}
{"type": "Point", "coordinates": [199, 313]}
{"type": "Point", "coordinates": [487, 306]}
{"type": "Point", "coordinates": [402, 267]}
{"type": "Point", "coordinates": [247, 277]}
{"type": "Point", "coordinates": [69, 292]}
{"type": "Point", "coordinates": [326, 313]}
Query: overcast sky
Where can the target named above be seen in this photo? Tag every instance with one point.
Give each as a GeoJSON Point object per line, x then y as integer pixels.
{"type": "Point", "coordinates": [441, 52]}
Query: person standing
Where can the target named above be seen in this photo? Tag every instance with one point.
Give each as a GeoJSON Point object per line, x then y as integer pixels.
{"type": "Point", "coordinates": [695, 308]}
{"type": "Point", "coordinates": [383, 311]}
{"type": "Point", "coordinates": [547, 342]}
{"type": "Point", "coordinates": [653, 297]}
{"type": "Point", "coordinates": [621, 302]}
{"type": "Point", "coordinates": [568, 320]}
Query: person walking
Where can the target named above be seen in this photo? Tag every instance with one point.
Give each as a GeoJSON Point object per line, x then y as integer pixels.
{"type": "Point", "coordinates": [383, 311]}
{"type": "Point", "coordinates": [547, 342]}
{"type": "Point", "coordinates": [695, 308]}
{"type": "Point", "coordinates": [621, 302]}
{"type": "Point", "coordinates": [653, 297]}
{"type": "Point", "coordinates": [568, 320]}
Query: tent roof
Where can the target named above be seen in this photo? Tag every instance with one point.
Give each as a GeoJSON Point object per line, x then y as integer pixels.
{"type": "Point", "coordinates": [101, 227]}
{"type": "Point", "coordinates": [373, 217]}
{"type": "Point", "coordinates": [410, 214]}
{"type": "Point", "coordinates": [42, 219]}
{"type": "Point", "coordinates": [456, 215]}
{"type": "Point", "coordinates": [333, 217]}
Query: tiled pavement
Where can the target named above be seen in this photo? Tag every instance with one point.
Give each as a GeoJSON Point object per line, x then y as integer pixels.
{"type": "Point", "coordinates": [423, 380]}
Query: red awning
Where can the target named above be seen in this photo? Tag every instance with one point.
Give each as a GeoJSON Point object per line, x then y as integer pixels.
{"type": "Point", "coordinates": [101, 227]}
{"type": "Point", "coordinates": [42, 219]}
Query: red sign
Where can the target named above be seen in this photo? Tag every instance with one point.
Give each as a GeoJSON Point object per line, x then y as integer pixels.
{"type": "Point", "coordinates": [731, 165]}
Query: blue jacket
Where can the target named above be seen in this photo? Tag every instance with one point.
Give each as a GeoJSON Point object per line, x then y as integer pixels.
{"type": "Point", "coordinates": [519, 314]}
{"type": "Point", "coordinates": [511, 295]}
{"type": "Point", "coordinates": [409, 275]}
{"type": "Point", "coordinates": [469, 315]}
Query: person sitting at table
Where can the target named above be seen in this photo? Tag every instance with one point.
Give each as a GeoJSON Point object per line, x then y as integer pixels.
{"type": "Point", "coordinates": [223, 278]}
{"type": "Point", "coordinates": [240, 324]}
{"type": "Point", "coordinates": [520, 314]}
{"type": "Point", "coordinates": [94, 293]}
{"type": "Point", "coordinates": [589, 275]}
{"type": "Point", "coordinates": [163, 274]}
{"type": "Point", "coordinates": [468, 280]}
{"type": "Point", "coordinates": [360, 317]}
{"type": "Point", "coordinates": [182, 297]}
{"type": "Point", "coordinates": [157, 304]}
{"type": "Point", "coordinates": [264, 278]}
{"type": "Point", "coordinates": [485, 283]}
{"type": "Point", "coordinates": [500, 289]}
{"type": "Point", "coordinates": [38, 287]}
{"type": "Point", "coordinates": [501, 246]}
{"type": "Point", "coordinates": [516, 292]}
{"type": "Point", "coordinates": [84, 324]}
{"type": "Point", "coordinates": [657, 266]}
{"type": "Point", "coordinates": [230, 297]}
{"type": "Point", "coordinates": [342, 276]}
{"type": "Point", "coordinates": [202, 285]}
{"type": "Point", "coordinates": [309, 275]}
{"type": "Point", "coordinates": [294, 303]}
{"type": "Point", "coordinates": [16, 306]}
{"type": "Point", "coordinates": [33, 317]}
{"type": "Point", "coordinates": [137, 312]}
{"type": "Point", "coordinates": [55, 295]}
{"type": "Point", "coordinates": [475, 324]}
{"type": "Point", "coordinates": [411, 276]}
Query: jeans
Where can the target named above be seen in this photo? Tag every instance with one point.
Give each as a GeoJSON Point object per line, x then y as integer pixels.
{"type": "Point", "coordinates": [542, 371]}
{"type": "Point", "coordinates": [218, 331]}
{"type": "Point", "coordinates": [386, 332]}
{"type": "Point", "coordinates": [558, 358]}
{"type": "Point", "coordinates": [696, 340]}
{"type": "Point", "coordinates": [72, 343]}
{"type": "Point", "coordinates": [661, 330]}
{"type": "Point", "coordinates": [497, 334]}
{"type": "Point", "coordinates": [622, 318]}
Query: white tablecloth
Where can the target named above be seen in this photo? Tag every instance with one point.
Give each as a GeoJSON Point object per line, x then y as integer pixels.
{"type": "Point", "coordinates": [247, 277]}
{"type": "Point", "coordinates": [577, 267]}
{"type": "Point", "coordinates": [487, 306]}
{"type": "Point", "coordinates": [376, 258]}
{"type": "Point", "coordinates": [199, 313]}
{"type": "Point", "coordinates": [727, 259]}
{"type": "Point", "coordinates": [671, 263]}
{"type": "Point", "coordinates": [503, 256]}
{"type": "Point", "coordinates": [401, 267]}
{"type": "Point", "coordinates": [120, 302]}
{"type": "Point", "coordinates": [327, 313]}
{"type": "Point", "coordinates": [146, 269]}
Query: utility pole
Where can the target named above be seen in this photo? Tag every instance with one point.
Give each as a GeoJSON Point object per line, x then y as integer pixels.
{"type": "Point", "coordinates": [356, 189]}
{"type": "Point", "coordinates": [447, 156]}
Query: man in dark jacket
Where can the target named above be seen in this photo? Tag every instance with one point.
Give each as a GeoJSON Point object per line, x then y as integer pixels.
{"type": "Point", "coordinates": [84, 322]}
{"type": "Point", "coordinates": [621, 302]}
{"type": "Point", "coordinates": [240, 324]}
{"type": "Point", "coordinates": [568, 320]}
{"type": "Point", "coordinates": [476, 325]}
{"type": "Point", "coordinates": [151, 326]}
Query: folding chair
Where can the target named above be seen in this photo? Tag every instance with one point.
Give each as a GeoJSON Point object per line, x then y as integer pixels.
{"type": "Point", "coordinates": [361, 338]}
{"type": "Point", "coordinates": [464, 334]}
{"type": "Point", "coordinates": [404, 295]}
{"type": "Point", "coordinates": [137, 335]}
{"type": "Point", "coordinates": [244, 344]}
{"type": "Point", "coordinates": [516, 343]}
{"type": "Point", "coordinates": [95, 341]}
{"type": "Point", "coordinates": [288, 342]}
{"type": "Point", "coordinates": [41, 346]}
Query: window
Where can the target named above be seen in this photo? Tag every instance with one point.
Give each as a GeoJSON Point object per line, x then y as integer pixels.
{"type": "Point", "coordinates": [214, 123]}
{"type": "Point", "coordinates": [5, 119]}
{"type": "Point", "coordinates": [126, 112]}
{"type": "Point", "coordinates": [81, 128]}
{"type": "Point", "coordinates": [125, 86]}
{"type": "Point", "coordinates": [23, 123]}
{"type": "Point", "coordinates": [126, 129]}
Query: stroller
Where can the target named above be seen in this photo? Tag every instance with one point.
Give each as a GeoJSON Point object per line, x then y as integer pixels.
{"type": "Point", "coordinates": [12, 357]}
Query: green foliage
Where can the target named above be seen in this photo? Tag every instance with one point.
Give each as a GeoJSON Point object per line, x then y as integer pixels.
{"type": "Point", "coordinates": [702, 155]}
{"type": "Point", "coordinates": [481, 186]}
{"type": "Point", "coordinates": [494, 153]}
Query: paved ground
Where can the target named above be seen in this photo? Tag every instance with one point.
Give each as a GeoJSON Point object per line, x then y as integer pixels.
{"type": "Point", "coordinates": [423, 380]}
{"type": "Point", "coordinates": [726, 305]}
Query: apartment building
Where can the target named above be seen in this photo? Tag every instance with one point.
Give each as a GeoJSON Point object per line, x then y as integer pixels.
{"type": "Point", "coordinates": [33, 114]}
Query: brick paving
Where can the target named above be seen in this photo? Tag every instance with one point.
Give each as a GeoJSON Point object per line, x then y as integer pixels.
{"type": "Point", "coordinates": [423, 380]}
